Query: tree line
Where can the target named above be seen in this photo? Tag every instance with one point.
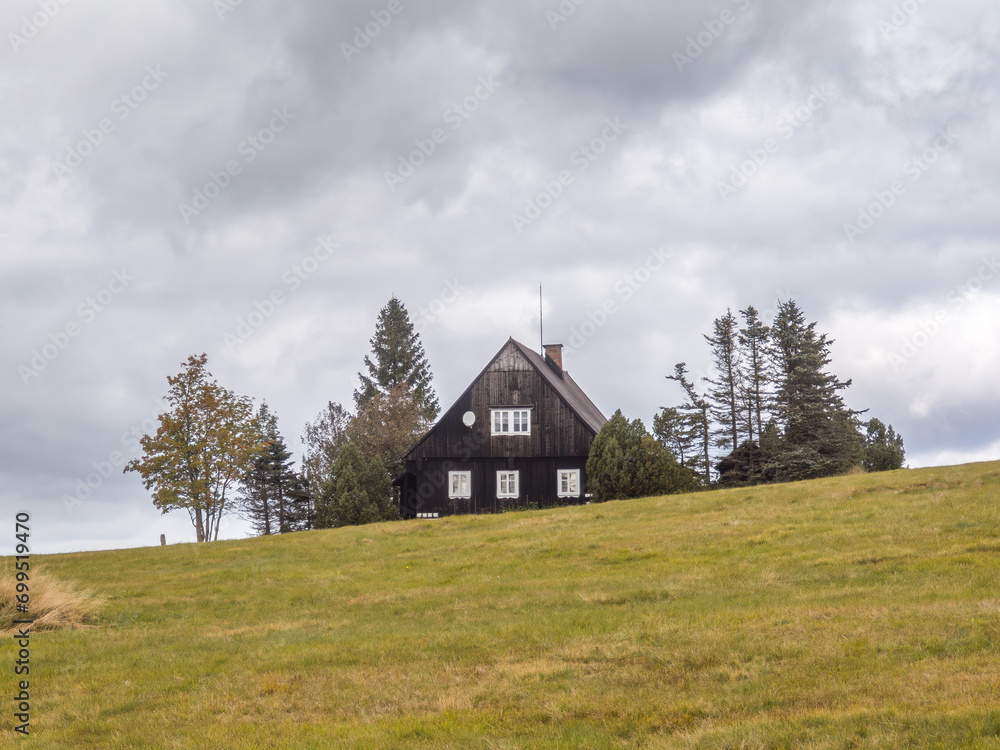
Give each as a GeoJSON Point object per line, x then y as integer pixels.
{"type": "Point", "coordinates": [771, 411]}
{"type": "Point", "coordinates": [772, 407]}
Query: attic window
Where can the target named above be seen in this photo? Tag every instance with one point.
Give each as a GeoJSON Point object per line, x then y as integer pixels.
{"type": "Point", "coordinates": [511, 421]}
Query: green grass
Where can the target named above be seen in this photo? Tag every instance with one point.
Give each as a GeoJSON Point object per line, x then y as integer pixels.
{"type": "Point", "coordinates": [856, 612]}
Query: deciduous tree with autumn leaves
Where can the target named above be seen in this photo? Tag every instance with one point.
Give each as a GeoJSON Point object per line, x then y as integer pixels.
{"type": "Point", "coordinates": [201, 449]}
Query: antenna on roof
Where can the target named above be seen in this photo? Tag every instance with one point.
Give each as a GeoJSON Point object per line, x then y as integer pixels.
{"type": "Point", "coordinates": [541, 329]}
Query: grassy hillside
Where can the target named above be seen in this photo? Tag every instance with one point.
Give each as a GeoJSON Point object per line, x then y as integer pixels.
{"type": "Point", "coordinates": [857, 612]}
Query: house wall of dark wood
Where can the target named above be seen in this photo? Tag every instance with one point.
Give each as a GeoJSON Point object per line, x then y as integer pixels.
{"type": "Point", "coordinates": [509, 381]}
{"type": "Point", "coordinates": [559, 439]}
{"type": "Point", "coordinates": [425, 485]}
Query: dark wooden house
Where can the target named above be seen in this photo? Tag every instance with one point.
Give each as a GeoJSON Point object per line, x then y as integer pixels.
{"type": "Point", "coordinates": [520, 434]}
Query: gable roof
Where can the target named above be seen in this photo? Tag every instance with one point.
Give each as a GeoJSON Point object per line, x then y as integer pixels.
{"type": "Point", "coordinates": [565, 386]}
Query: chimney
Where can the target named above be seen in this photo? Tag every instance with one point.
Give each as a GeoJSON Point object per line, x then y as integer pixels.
{"type": "Point", "coordinates": [553, 355]}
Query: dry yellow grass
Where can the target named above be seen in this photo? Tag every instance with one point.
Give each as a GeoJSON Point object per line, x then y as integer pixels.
{"type": "Point", "coordinates": [55, 604]}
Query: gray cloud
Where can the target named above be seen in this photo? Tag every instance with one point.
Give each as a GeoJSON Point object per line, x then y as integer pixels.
{"type": "Point", "coordinates": [184, 93]}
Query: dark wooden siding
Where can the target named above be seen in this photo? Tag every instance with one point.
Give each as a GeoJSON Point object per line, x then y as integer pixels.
{"type": "Point", "coordinates": [510, 380]}
{"type": "Point", "coordinates": [559, 439]}
{"type": "Point", "coordinates": [425, 487]}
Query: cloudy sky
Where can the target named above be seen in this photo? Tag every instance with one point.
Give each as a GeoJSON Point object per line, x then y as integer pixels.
{"type": "Point", "coordinates": [254, 179]}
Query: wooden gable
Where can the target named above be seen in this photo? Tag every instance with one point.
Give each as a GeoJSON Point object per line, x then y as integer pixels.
{"type": "Point", "coordinates": [563, 420]}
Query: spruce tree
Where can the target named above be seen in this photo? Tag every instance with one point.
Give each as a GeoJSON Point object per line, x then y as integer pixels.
{"type": "Point", "coordinates": [300, 512]}
{"type": "Point", "coordinates": [819, 433]}
{"type": "Point", "coordinates": [697, 425]}
{"type": "Point", "coordinates": [397, 359]}
{"type": "Point", "coordinates": [754, 377]}
{"type": "Point", "coordinates": [255, 496]}
{"type": "Point", "coordinates": [282, 478]}
{"type": "Point", "coordinates": [788, 339]}
{"type": "Point", "coordinates": [746, 463]}
{"type": "Point", "coordinates": [674, 434]}
{"type": "Point", "coordinates": [658, 472]}
{"type": "Point", "coordinates": [346, 498]}
{"type": "Point", "coordinates": [725, 387]}
{"type": "Point", "coordinates": [269, 479]}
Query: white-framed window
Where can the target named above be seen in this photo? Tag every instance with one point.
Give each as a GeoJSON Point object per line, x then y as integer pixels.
{"type": "Point", "coordinates": [507, 484]}
{"type": "Point", "coordinates": [569, 483]}
{"type": "Point", "coordinates": [459, 485]}
{"type": "Point", "coordinates": [511, 421]}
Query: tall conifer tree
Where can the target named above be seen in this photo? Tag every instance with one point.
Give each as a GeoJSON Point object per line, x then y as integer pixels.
{"type": "Point", "coordinates": [301, 510]}
{"type": "Point", "coordinates": [270, 480]}
{"type": "Point", "coordinates": [820, 434]}
{"type": "Point", "coordinates": [695, 413]}
{"type": "Point", "coordinates": [724, 394]}
{"type": "Point", "coordinates": [397, 359]}
{"type": "Point", "coordinates": [754, 377]}
{"type": "Point", "coordinates": [675, 434]}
